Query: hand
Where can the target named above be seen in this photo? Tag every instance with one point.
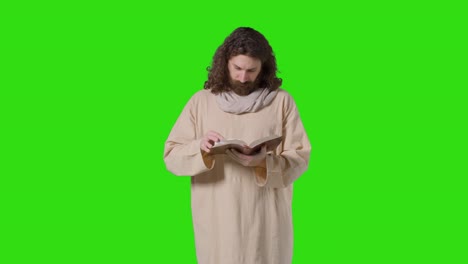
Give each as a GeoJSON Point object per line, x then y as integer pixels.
{"type": "Point", "coordinates": [209, 139]}
{"type": "Point", "coordinates": [255, 160]}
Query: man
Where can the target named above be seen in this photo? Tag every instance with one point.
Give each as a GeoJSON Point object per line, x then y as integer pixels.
{"type": "Point", "coordinates": [241, 204]}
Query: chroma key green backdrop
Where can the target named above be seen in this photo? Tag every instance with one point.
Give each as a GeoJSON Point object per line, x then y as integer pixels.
{"type": "Point", "coordinates": [89, 91]}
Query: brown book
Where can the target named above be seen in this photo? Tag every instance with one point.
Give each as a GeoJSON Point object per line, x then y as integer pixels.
{"type": "Point", "coordinates": [271, 142]}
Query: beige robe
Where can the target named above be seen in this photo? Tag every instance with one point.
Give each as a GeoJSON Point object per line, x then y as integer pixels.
{"type": "Point", "coordinates": [238, 217]}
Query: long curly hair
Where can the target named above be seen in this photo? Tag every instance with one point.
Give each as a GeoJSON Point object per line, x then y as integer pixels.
{"type": "Point", "coordinates": [243, 41]}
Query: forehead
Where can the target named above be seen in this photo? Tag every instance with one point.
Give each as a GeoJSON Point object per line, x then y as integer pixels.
{"type": "Point", "coordinates": [244, 61]}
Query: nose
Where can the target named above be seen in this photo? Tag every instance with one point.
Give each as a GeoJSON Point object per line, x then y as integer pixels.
{"type": "Point", "coordinates": [243, 77]}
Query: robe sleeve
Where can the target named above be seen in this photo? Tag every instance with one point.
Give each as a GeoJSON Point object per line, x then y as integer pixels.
{"type": "Point", "coordinates": [284, 168]}
{"type": "Point", "coordinates": [182, 153]}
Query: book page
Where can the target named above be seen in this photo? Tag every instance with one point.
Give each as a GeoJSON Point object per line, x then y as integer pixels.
{"type": "Point", "coordinates": [271, 142]}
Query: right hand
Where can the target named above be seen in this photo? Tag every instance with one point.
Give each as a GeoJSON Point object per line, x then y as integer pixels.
{"type": "Point", "coordinates": [255, 160]}
{"type": "Point", "coordinates": [209, 139]}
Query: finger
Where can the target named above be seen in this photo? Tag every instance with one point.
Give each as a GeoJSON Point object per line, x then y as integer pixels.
{"type": "Point", "coordinates": [233, 156]}
{"type": "Point", "coordinates": [209, 144]}
{"type": "Point", "coordinates": [230, 154]}
{"type": "Point", "coordinates": [234, 152]}
{"type": "Point", "coordinates": [213, 138]}
{"type": "Point", "coordinates": [204, 148]}
{"type": "Point", "coordinates": [260, 154]}
{"type": "Point", "coordinates": [239, 154]}
{"type": "Point", "coordinates": [215, 134]}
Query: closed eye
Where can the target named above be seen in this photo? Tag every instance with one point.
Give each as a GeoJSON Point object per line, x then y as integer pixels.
{"type": "Point", "coordinates": [248, 70]}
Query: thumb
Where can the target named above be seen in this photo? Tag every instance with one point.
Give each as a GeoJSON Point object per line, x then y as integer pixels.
{"type": "Point", "coordinates": [264, 149]}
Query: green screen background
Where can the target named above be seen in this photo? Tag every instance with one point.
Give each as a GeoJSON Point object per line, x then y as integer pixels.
{"type": "Point", "coordinates": [90, 90]}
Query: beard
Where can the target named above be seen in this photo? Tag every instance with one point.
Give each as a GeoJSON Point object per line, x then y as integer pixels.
{"type": "Point", "coordinates": [243, 89]}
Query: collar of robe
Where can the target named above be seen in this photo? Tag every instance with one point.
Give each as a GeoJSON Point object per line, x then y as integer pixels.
{"type": "Point", "coordinates": [233, 103]}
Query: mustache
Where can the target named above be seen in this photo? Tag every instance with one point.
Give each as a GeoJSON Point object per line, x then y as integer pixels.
{"type": "Point", "coordinates": [242, 88]}
{"type": "Point", "coordinates": [237, 83]}
{"type": "Point", "coordinates": [246, 85]}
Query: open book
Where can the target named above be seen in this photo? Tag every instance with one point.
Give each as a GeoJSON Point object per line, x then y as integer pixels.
{"type": "Point", "coordinates": [271, 142]}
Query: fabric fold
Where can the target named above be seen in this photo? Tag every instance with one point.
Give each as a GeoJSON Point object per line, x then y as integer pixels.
{"type": "Point", "coordinates": [233, 103]}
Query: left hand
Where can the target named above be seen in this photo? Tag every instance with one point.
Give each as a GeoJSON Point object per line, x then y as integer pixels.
{"type": "Point", "coordinates": [255, 160]}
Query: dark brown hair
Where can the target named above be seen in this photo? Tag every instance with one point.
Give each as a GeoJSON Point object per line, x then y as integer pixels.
{"type": "Point", "coordinates": [243, 41]}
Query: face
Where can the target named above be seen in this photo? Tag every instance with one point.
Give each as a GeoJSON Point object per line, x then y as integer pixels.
{"type": "Point", "coordinates": [244, 71]}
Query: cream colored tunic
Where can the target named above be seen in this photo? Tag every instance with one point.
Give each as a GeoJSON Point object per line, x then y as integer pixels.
{"type": "Point", "coordinates": [238, 217]}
